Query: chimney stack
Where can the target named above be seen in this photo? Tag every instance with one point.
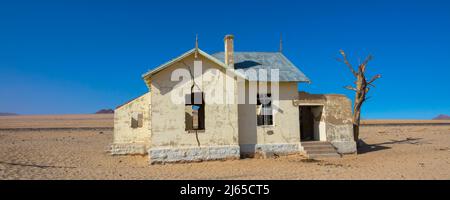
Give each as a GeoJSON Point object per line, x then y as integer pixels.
{"type": "Point", "coordinates": [229, 51]}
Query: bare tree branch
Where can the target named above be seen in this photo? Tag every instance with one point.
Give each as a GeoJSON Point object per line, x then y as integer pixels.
{"type": "Point", "coordinates": [348, 87]}
{"type": "Point", "coordinates": [364, 64]}
{"type": "Point", "coordinates": [344, 56]}
{"type": "Point", "coordinates": [374, 78]}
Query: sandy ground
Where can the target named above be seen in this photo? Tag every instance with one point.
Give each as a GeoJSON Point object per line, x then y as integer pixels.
{"type": "Point", "coordinates": [391, 152]}
{"type": "Point", "coordinates": [57, 121]}
{"type": "Point", "coordinates": [404, 122]}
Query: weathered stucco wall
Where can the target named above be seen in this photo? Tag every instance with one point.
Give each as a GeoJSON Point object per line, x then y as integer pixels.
{"type": "Point", "coordinates": [129, 140]}
{"type": "Point", "coordinates": [283, 136]}
{"type": "Point", "coordinates": [169, 137]}
{"type": "Point", "coordinates": [339, 125]}
{"type": "Point", "coordinates": [337, 118]}
{"type": "Point", "coordinates": [310, 99]}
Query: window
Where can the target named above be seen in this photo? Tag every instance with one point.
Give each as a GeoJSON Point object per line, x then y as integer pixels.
{"type": "Point", "coordinates": [264, 114]}
{"type": "Point", "coordinates": [137, 120]}
{"type": "Point", "coordinates": [194, 112]}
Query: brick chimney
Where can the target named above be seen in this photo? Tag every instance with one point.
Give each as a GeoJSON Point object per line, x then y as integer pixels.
{"type": "Point", "coordinates": [229, 50]}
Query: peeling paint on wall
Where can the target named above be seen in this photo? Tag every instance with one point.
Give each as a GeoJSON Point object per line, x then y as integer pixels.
{"type": "Point", "coordinates": [125, 135]}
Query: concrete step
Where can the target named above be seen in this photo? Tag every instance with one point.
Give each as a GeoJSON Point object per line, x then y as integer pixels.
{"type": "Point", "coordinates": [318, 149]}
{"type": "Point", "coordinates": [313, 144]}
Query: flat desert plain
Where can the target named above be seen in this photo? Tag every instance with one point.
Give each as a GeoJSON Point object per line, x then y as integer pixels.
{"type": "Point", "coordinates": [75, 147]}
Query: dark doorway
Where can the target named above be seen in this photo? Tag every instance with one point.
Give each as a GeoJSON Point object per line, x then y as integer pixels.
{"type": "Point", "coordinates": [306, 123]}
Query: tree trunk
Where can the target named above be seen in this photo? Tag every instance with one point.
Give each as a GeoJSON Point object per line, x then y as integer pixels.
{"type": "Point", "coordinates": [356, 133]}
{"type": "Point", "coordinates": [356, 121]}
{"type": "Point", "coordinates": [359, 96]}
{"type": "Point", "coordinates": [361, 90]}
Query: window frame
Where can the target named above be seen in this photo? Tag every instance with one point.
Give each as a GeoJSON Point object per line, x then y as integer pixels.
{"type": "Point", "coordinates": [200, 114]}
{"type": "Point", "coordinates": [263, 118]}
{"type": "Point", "coordinates": [137, 120]}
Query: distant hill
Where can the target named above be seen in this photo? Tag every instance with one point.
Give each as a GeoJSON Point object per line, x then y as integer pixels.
{"type": "Point", "coordinates": [442, 117]}
{"type": "Point", "coordinates": [8, 114]}
{"type": "Point", "coordinates": [105, 111]}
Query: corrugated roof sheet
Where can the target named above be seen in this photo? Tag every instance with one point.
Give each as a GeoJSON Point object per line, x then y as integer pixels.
{"type": "Point", "coordinates": [267, 61]}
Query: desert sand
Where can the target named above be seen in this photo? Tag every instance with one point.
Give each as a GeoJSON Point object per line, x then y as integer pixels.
{"type": "Point", "coordinates": [56, 121]}
{"type": "Point", "coordinates": [55, 147]}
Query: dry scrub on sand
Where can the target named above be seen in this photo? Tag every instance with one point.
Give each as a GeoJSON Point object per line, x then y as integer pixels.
{"type": "Point", "coordinates": [394, 152]}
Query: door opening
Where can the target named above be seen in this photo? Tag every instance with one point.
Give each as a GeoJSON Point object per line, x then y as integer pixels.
{"type": "Point", "coordinates": [311, 123]}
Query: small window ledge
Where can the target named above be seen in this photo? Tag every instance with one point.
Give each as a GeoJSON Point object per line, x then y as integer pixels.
{"type": "Point", "coordinates": [196, 131]}
{"type": "Point", "coordinates": [265, 126]}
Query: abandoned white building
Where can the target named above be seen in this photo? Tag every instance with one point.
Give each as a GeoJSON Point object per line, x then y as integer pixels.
{"type": "Point", "coordinates": [168, 131]}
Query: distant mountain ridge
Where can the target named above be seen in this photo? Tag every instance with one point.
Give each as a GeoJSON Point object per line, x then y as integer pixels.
{"type": "Point", "coordinates": [105, 111]}
{"type": "Point", "coordinates": [442, 117]}
{"type": "Point", "coordinates": [8, 114]}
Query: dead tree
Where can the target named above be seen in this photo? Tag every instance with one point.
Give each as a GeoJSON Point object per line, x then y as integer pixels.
{"type": "Point", "coordinates": [361, 88]}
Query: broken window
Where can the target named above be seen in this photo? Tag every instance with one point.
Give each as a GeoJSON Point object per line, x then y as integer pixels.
{"type": "Point", "coordinates": [195, 111]}
{"type": "Point", "coordinates": [137, 120]}
{"type": "Point", "coordinates": [264, 113]}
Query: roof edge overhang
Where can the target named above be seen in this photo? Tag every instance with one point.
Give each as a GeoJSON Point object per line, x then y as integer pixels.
{"type": "Point", "coordinates": [307, 80]}
{"type": "Point", "coordinates": [181, 57]}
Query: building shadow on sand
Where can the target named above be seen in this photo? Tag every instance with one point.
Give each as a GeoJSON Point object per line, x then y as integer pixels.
{"type": "Point", "coordinates": [367, 148]}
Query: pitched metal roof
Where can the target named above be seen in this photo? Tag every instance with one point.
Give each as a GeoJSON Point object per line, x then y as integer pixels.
{"type": "Point", "coordinates": [245, 61]}
{"type": "Point", "coordinates": [267, 61]}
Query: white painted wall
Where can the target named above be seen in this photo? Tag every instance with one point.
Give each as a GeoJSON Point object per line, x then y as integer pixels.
{"type": "Point", "coordinates": [286, 127]}
{"type": "Point", "coordinates": [168, 125]}
{"type": "Point", "coordinates": [123, 132]}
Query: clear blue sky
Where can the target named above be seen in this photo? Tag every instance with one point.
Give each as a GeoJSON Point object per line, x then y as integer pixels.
{"type": "Point", "coordinates": [60, 57]}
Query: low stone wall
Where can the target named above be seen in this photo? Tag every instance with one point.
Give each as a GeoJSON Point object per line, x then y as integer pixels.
{"type": "Point", "coordinates": [269, 150]}
{"type": "Point", "coordinates": [192, 154]}
{"type": "Point", "coordinates": [128, 149]}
